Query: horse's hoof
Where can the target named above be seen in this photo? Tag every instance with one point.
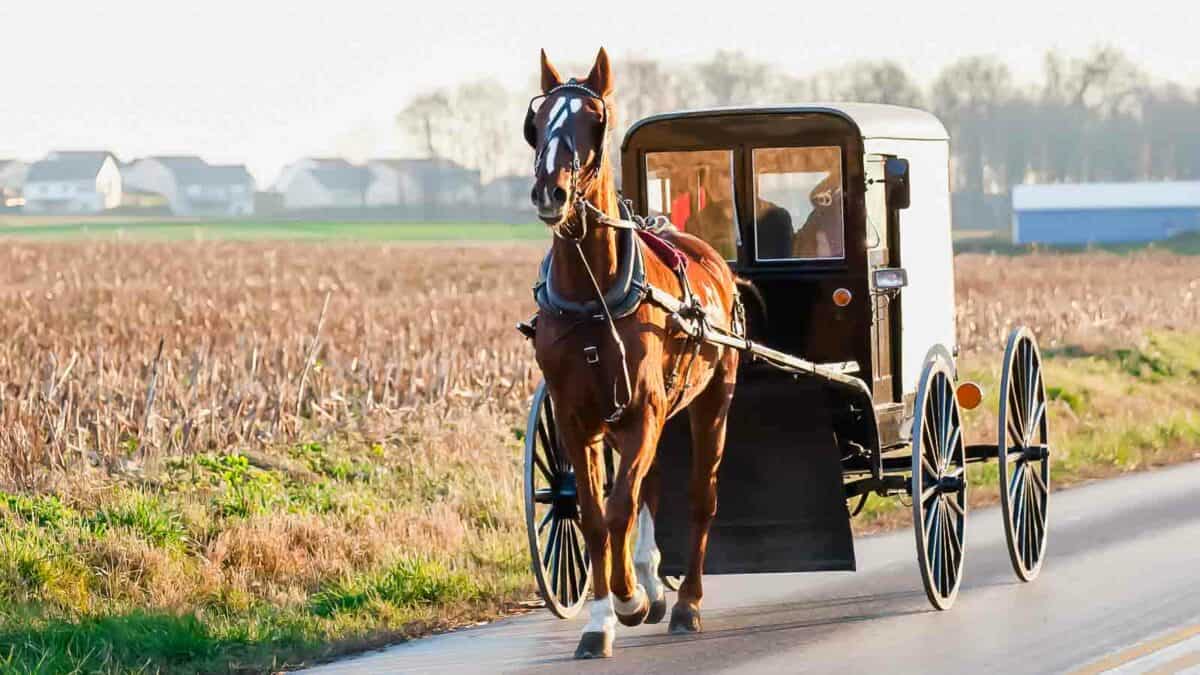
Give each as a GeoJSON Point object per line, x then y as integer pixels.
{"type": "Point", "coordinates": [595, 645]}
{"type": "Point", "coordinates": [684, 619]}
{"type": "Point", "coordinates": [638, 617]}
{"type": "Point", "coordinates": [658, 609]}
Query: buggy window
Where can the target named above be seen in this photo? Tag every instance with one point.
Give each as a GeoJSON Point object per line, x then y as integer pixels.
{"type": "Point", "coordinates": [798, 203]}
{"type": "Point", "coordinates": [694, 190]}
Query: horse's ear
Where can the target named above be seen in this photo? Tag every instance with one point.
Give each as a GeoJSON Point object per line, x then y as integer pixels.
{"type": "Point", "coordinates": [600, 79]}
{"type": "Point", "coordinates": [550, 76]}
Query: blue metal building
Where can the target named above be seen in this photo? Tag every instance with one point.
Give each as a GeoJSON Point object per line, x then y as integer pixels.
{"type": "Point", "coordinates": [1104, 212]}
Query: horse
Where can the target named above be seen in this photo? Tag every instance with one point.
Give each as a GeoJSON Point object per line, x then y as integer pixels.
{"type": "Point", "coordinates": [616, 370]}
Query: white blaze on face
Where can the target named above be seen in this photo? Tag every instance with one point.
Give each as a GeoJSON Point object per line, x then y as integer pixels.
{"type": "Point", "coordinates": [646, 556]}
{"type": "Point", "coordinates": [551, 151]}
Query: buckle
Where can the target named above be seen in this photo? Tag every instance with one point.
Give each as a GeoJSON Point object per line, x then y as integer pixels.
{"type": "Point", "coordinates": [591, 354]}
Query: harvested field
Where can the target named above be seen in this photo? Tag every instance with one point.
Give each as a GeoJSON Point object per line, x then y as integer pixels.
{"type": "Point", "coordinates": [304, 448]}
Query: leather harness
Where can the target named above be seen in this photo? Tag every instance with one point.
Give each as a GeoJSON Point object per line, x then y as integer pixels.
{"type": "Point", "coordinates": [630, 288]}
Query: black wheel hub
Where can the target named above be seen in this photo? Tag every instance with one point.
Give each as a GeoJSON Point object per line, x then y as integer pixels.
{"type": "Point", "coordinates": [951, 484]}
{"type": "Point", "coordinates": [566, 497]}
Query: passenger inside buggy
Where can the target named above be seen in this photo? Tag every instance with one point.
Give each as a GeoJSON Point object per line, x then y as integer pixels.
{"type": "Point", "coordinates": [798, 208]}
{"type": "Point", "coordinates": [694, 190]}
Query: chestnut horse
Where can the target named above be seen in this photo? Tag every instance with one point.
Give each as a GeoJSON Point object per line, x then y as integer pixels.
{"type": "Point", "coordinates": [618, 380]}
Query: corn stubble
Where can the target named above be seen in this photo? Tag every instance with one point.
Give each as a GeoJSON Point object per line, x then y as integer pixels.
{"type": "Point", "coordinates": [117, 353]}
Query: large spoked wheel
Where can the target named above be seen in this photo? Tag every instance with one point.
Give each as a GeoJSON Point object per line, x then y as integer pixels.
{"type": "Point", "coordinates": [1024, 454]}
{"type": "Point", "coordinates": [939, 484]}
{"type": "Point", "coordinates": [556, 544]}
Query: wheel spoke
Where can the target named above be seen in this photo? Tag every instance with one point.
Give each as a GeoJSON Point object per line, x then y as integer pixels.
{"type": "Point", "coordinates": [548, 445]}
{"type": "Point", "coordinates": [1035, 423]}
{"type": "Point", "coordinates": [932, 546]}
{"type": "Point", "coordinates": [541, 465]}
{"type": "Point", "coordinates": [1014, 433]}
{"type": "Point", "coordinates": [956, 506]}
{"type": "Point", "coordinates": [551, 541]}
{"type": "Point", "coordinates": [928, 466]}
{"type": "Point", "coordinates": [1036, 474]}
{"type": "Point", "coordinates": [570, 584]}
{"type": "Point", "coordinates": [929, 493]}
{"type": "Point", "coordinates": [558, 459]}
{"type": "Point", "coordinates": [950, 448]}
{"type": "Point", "coordinates": [577, 556]}
{"type": "Point", "coordinates": [545, 521]}
{"type": "Point", "coordinates": [951, 563]}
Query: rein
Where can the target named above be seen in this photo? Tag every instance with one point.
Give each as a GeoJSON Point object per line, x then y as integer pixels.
{"type": "Point", "coordinates": [581, 207]}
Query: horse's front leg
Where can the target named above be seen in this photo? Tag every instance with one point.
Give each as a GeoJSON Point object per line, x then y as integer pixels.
{"type": "Point", "coordinates": [585, 455]}
{"type": "Point", "coordinates": [637, 442]}
{"type": "Point", "coordinates": [708, 415]}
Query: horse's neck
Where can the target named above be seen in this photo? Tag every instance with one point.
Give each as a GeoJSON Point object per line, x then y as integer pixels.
{"type": "Point", "coordinates": [599, 245]}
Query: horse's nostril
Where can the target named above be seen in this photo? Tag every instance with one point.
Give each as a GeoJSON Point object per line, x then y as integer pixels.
{"type": "Point", "coordinates": [560, 195]}
{"type": "Point", "coordinates": [533, 195]}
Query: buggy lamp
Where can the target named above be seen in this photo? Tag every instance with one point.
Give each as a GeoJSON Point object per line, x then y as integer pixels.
{"type": "Point", "coordinates": [842, 297]}
{"type": "Point", "coordinates": [890, 278]}
{"type": "Point", "coordinates": [969, 395]}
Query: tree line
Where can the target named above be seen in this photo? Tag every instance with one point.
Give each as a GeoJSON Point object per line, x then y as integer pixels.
{"type": "Point", "coordinates": [1096, 117]}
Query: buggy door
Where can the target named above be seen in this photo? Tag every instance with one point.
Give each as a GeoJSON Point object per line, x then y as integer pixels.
{"type": "Point", "coordinates": [883, 250]}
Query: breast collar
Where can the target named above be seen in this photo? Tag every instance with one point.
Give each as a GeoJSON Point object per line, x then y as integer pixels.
{"type": "Point", "coordinates": [623, 297]}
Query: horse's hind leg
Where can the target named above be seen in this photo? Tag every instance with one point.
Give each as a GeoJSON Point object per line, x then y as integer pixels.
{"type": "Point", "coordinates": [708, 415]}
{"type": "Point", "coordinates": [646, 556]}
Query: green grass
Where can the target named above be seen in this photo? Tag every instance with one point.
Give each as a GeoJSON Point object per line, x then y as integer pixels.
{"type": "Point", "coordinates": [280, 230]}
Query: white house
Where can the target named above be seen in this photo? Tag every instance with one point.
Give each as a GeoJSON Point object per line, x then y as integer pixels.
{"type": "Point", "coordinates": [421, 182]}
{"type": "Point", "coordinates": [192, 186]}
{"type": "Point", "coordinates": [73, 182]}
{"type": "Point", "coordinates": [317, 183]}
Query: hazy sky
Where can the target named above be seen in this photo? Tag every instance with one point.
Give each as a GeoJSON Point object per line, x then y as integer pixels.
{"type": "Point", "coordinates": [264, 82]}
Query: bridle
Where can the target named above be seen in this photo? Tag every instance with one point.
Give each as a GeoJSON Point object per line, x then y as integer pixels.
{"type": "Point", "coordinates": [558, 129]}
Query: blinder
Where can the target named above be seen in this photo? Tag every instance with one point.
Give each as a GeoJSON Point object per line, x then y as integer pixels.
{"type": "Point", "coordinates": [530, 127]}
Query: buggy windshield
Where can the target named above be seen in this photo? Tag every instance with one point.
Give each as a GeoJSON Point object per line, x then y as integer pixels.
{"type": "Point", "coordinates": [798, 203]}
{"type": "Point", "coordinates": [694, 189]}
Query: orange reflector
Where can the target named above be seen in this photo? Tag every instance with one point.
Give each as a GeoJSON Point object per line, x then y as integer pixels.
{"type": "Point", "coordinates": [969, 395]}
{"type": "Point", "coordinates": [842, 297]}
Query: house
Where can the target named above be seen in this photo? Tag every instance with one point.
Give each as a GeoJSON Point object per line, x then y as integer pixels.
{"type": "Point", "coordinates": [73, 182]}
{"type": "Point", "coordinates": [1104, 212]}
{"type": "Point", "coordinates": [319, 183]}
{"type": "Point", "coordinates": [12, 182]}
{"type": "Point", "coordinates": [508, 192]}
{"type": "Point", "coordinates": [421, 182]}
{"type": "Point", "coordinates": [192, 186]}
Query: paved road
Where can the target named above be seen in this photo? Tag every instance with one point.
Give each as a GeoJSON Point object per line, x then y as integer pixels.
{"type": "Point", "coordinates": [1120, 589]}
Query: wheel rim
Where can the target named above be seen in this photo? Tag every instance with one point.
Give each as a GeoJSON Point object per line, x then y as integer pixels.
{"type": "Point", "coordinates": [939, 486]}
{"type": "Point", "coordinates": [1025, 462]}
{"type": "Point", "coordinates": [556, 545]}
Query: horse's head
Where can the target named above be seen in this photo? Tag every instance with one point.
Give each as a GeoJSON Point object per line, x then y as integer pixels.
{"type": "Point", "coordinates": [567, 126]}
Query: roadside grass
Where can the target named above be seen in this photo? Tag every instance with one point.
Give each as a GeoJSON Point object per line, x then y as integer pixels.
{"type": "Point", "coordinates": [151, 230]}
{"type": "Point", "coordinates": [1112, 411]}
{"type": "Point", "coordinates": [267, 560]}
{"type": "Point", "coordinates": [271, 559]}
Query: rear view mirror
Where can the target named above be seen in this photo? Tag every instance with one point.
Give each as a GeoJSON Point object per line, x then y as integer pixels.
{"type": "Point", "coordinates": [895, 178]}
